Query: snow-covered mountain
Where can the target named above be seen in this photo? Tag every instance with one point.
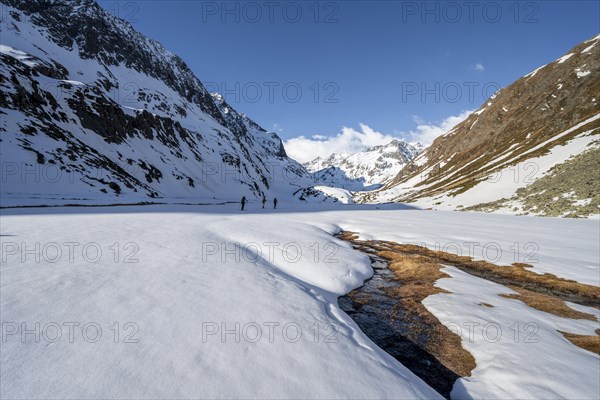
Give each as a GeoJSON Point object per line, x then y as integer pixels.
{"type": "Point", "coordinates": [366, 170]}
{"type": "Point", "coordinates": [532, 148]}
{"type": "Point", "coordinates": [93, 111]}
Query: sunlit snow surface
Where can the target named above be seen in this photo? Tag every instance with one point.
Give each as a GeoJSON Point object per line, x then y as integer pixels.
{"type": "Point", "coordinates": [199, 267]}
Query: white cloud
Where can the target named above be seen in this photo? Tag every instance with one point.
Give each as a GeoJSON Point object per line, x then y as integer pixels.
{"type": "Point", "coordinates": [426, 132]}
{"type": "Point", "coordinates": [349, 140]}
{"type": "Point", "coordinates": [477, 67]}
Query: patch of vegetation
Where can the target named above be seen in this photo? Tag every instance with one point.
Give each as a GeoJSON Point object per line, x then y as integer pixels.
{"type": "Point", "coordinates": [589, 343]}
{"type": "Point", "coordinates": [417, 268]}
{"type": "Point", "coordinates": [546, 303]}
{"type": "Point", "coordinates": [570, 189]}
{"type": "Point", "coordinates": [421, 335]}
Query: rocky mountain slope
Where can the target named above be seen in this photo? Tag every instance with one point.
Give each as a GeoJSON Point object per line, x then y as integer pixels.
{"type": "Point", "coordinates": [366, 170]}
{"type": "Point", "coordinates": [93, 111]}
{"type": "Point", "coordinates": [531, 148]}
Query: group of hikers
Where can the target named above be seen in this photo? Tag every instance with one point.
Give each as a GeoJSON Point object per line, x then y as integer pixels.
{"type": "Point", "coordinates": [264, 201]}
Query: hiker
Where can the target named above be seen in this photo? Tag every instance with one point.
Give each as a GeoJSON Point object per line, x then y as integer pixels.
{"type": "Point", "coordinates": [264, 201]}
{"type": "Point", "coordinates": [243, 202]}
{"type": "Point", "coordinates": [275, 203]}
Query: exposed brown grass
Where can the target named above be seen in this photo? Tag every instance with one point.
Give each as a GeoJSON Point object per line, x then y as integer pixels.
{"type": "Point", "coordinates": [589, 343]}
{"type": "Point", "coordinates": [522, 265]}
{"type": "Point", "coordinates": [443, 180]}
{"type": "Point", "coordinates": [515, 275]}
{"type": "Point", "coordinates": [417, 275]}
{"type": "Point", "coordinates": [546, 303]}
{"type": "Point", "coordinates": [347, 236]}
{"type": "Point", "coordinates": [418, 268]}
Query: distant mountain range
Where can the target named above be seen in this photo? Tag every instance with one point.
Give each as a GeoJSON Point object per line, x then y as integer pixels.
{"type": "Point", "coordinates": [366, 170]}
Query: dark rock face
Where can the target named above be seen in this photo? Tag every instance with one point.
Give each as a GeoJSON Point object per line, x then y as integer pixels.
{"type": "Point", "coordinates": [83, 91]}
{"type": "Point", "coordinates": [112, 41]}
{"type": "Point", "coordinates": [241, 125]}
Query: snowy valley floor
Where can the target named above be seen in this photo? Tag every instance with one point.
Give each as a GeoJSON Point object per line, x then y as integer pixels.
{"type": "Point", "coordinates": [208, 302]}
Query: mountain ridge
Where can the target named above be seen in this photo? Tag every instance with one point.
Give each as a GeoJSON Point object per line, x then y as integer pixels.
{"type": "Point", "coordinates": [365, 170]}
{"type": "Point", "coordinates": [553, 108]}
{"type": "Point", "coordinates": [119, 117]}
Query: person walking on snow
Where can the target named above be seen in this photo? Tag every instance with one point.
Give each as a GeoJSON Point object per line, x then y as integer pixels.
{"type": "Point", "coordinates": [243, 202]}
{"type": "Point", "coordinates": [275, 203]}
{"type": "Point", "coordinates": [264, 201]}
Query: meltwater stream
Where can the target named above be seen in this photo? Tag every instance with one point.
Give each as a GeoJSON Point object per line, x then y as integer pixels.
{"type": "Point", "coordinates": [381, 317]}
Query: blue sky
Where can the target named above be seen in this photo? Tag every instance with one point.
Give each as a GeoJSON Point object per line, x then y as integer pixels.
{"type": "Point", "coordinates": [360, 61]}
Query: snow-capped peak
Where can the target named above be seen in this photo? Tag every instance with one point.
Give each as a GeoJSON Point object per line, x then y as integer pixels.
{"type": "Point", "coordinates": [365, 170]}
{"type": "Point", "coordinates": [124, 119]}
